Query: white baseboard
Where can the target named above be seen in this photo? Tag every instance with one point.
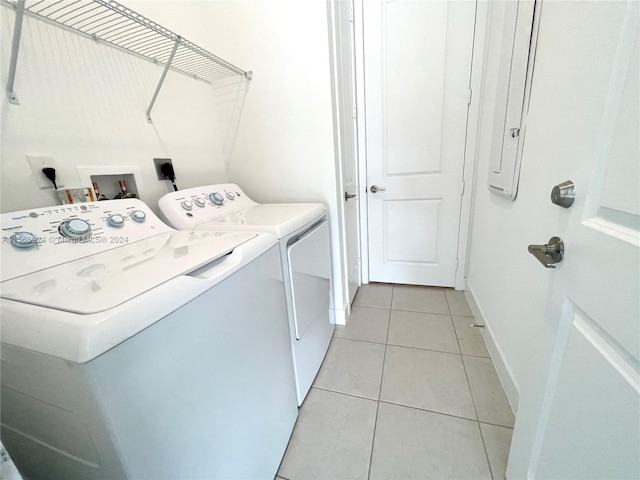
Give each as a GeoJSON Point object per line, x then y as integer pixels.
{"type": "Point", "coordinates": [504, 373]}
{"type": "Point", "coordinates": [339, 316]}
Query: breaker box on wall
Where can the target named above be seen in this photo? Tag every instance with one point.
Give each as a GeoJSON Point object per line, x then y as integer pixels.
{"type": "Point", "coordinates": [519, 35]}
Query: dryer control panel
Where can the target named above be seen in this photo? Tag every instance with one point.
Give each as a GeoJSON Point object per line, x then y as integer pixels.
{"type": "Point", "coordinates": [186, 208]}
{"type": "Point", "coordinates": [43, 237]}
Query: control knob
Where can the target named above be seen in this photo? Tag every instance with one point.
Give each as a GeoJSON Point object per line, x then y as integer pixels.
{"type": "Point", "coordinates": [23, 240]}
{"type": "Point", "coordinates": [200, 202]}
{"type": "Point", "coordinates": [75, 228]}
{"type": "Point", "coordinates": [187, 205]}
{"type": "Point", "coordinates": [231, 195]}
{"type": "Point", "coordinates": [216, 198]}
{"type": "Point", "coordinates": [139, 216]}
{"type": "Point", "coordinates": [115, 220]}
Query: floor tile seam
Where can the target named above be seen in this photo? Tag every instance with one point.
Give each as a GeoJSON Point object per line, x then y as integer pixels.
{"type": "Point", "coordinates": [353, 395]}
{"type": "Point", "coordinates": [422, 312]}
{"type": "Point", "coordinates": [448, 305]}
{"type": "Point", "coordinates": [373, 441]}
{"type": "Point", "coordinates": [361, 341]}
{"type": "Point", "coordinates": [421, 287]}
{"type": "Point", "coordinates": [375, 425]}
{"type": "Point", "coordinates": [475, 409]}
{"type": "Point", "coordinates": [476, 356]}
{"type": "Point", "coordinates": [472, 396]}
{"type": "Point", "coordinates": [371, 306]}
{"type": "Point", "coordinates": [426, 349]}
{"type": "Point", "coordinates": [459, 352]}
{"type": "Point", "coordinates": [419, 311]}
{"type": "Point", "coordinates": [494, 425]}
{"type": "Point", "coordinates": [413, 407]}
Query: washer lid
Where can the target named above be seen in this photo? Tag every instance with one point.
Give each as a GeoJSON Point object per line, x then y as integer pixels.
{"type": "Point", "coordinates": [280, 219]}
{"type": "Point", "coordinates": [102, 281]}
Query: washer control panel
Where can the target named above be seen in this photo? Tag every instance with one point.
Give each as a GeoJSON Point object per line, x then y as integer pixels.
{"type": "Point", "coordinates": [43, 237]}
{"type": "Point", "coordinates": [185, 209]}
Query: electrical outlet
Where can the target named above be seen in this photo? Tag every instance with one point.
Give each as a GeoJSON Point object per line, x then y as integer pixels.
{"type": "Point", "coordinates": [158, 162]}
{"type": "Point", "coordinates": [38, 162]}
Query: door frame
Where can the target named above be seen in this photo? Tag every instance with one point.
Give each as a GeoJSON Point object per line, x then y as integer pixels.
{"type": "Point", "coordinates": [469, 167]}
{"type": "Point", "coordinates": [340, 313]}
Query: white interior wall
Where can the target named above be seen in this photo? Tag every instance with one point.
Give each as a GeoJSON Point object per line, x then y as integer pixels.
{"type": "Point", "coordinates": [509, 287]}
{"type": "Point", "coordinates": [84, 103]}
{"type": "Point", "coordinates": [516, 296]}
{"type": "Point", "coordinates": [282, 146]}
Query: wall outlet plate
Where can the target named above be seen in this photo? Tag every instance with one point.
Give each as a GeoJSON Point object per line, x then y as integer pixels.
{"type": "Point", "coordinates": [158, 162]}
{"type": "Point", "coordinates": [38, 162]}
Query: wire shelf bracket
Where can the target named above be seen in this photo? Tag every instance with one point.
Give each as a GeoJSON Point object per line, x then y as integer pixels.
{"type": "Point", "coordinates": [15, 48]}
{"type": "Point", "coordinates": [164, 74]}
{"type": "Point", "coordinates": [112, 23]}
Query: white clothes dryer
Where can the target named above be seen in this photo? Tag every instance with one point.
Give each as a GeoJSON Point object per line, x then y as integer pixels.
{"type": "Point", "coordinates": [303, 232]}
{"type": "Point", "coordinates": [130, 350]}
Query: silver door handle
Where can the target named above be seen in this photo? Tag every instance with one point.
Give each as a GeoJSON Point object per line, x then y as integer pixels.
{"type": "Point", "coordinates": [376, 189]}
{"type": "Point", "coordinates": [347, 196]}
{"type": "Point", "coordinates": [550, 254]}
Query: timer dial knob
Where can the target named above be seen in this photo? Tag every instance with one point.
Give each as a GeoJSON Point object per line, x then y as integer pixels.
{"type": "Point", "coordinates": [23, 240]}
{"type": "Point", "coordinates": [115, 220]}
{"type": "Point", "coordinates": [75, 228]}
{"type": "Point", "coordinates": [138, 216]}
{"type": "Point", "coordinates": [216, 198]}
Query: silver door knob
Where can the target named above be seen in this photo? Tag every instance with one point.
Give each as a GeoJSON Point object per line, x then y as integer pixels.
{"type": "Point", "coordinates": [563, 194]}
{"type": "Point", "coordinates": [550, 254]}
{"type": "Point", "coordinates": [376, 189]}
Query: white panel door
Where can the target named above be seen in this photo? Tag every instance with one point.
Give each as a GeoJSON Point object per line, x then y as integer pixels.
{"type": "Point", "coordinates": [347, 128]}
{"type": "Point", "coordinates": [586, 423]}
{"type": "Point", "coordinates": [417, 69]}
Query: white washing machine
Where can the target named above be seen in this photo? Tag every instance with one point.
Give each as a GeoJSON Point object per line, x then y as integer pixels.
{"type": "Point", "coordinates": [133, 351]}
{"type": "Point", "coordinates": [303, 232]}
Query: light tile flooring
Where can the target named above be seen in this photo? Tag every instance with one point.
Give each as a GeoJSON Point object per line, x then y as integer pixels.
{"type": "Point", "coordinates": [407, 391]}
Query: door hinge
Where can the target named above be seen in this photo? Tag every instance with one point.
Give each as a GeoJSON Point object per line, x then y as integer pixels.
{"type": "Point", "coordinates": [355, 112]}
{"type": "Point", "coordinates": [351, 13]}
{"type": "Point", "coordinates": [462, 190]}
{"type": "Point", "coordinates": [470, 96]}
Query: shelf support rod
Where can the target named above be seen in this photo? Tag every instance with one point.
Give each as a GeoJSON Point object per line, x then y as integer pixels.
{"type": "Point", "coordinates": [164, 74]}
{"type": "Point", "coordinates": [15, 47]}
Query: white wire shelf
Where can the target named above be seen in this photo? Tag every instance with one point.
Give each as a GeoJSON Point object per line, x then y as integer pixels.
{"type": "Point", "coordinates": [113, 23]}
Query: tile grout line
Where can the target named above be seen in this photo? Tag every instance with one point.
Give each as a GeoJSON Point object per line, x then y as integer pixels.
{"type": "Point", "coordinates": [413, 407]}
{"type": "Point", "coordinates": [435, 412]}
{"type": "Point", "coordinates": [407, 346]}
{"type": "Point", "coordinates": [473, 402]}
{"type": "Point", "coordinates": [496, 425]}
{"type": "Point", "coordinates": [352, 395]}
{"type": "Point", "coordinates": [324, 389]}
{"type": "Point", "coordinates": [384, 358]}
{"type": "Point", "coordinates": [370, 306]}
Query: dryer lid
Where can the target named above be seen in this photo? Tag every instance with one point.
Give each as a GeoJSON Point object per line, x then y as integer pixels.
{"type": "Point", "coordinates": [107, 279]}
{"type": "Point", "coordinates": [280, 219]}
